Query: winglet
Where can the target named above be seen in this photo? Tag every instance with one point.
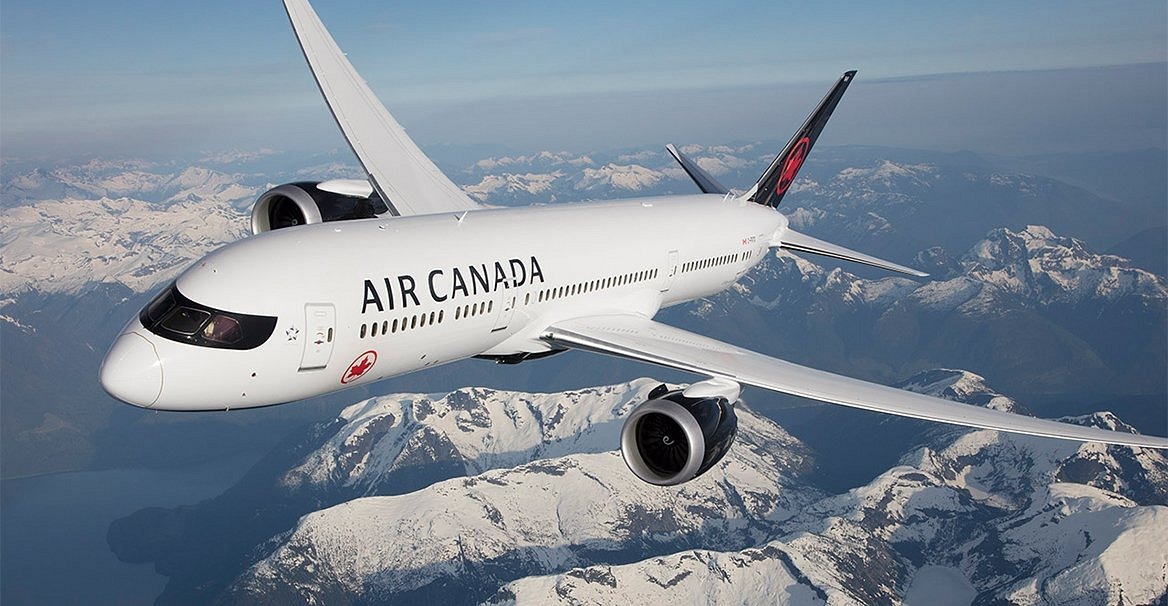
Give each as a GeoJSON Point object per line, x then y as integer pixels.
{"type": "Point", "coordinates": [781, 173]}
{"type": "Point", "coordinates": [402, 175]}
{"type": "Point", "coordinates": [704, 180]}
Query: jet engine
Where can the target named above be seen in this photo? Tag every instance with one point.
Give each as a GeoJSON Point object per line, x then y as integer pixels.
{"type": "Point", "coordinates": [307, 202]}
{"type": "Point", "coordinates": [673, 437]}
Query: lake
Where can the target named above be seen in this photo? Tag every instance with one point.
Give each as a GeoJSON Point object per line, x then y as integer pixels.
{"type": "Point", "coordinates": [52, 530]}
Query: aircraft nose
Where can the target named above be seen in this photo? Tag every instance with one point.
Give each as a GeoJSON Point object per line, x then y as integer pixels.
{"type": "Point", "coordinates": [132, 371]}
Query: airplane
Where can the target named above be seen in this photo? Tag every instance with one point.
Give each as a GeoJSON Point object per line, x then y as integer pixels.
{"type": "Point", "coordinates": [348, 282]}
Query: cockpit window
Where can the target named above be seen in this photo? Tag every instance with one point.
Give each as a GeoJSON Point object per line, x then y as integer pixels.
{"type": "Point", "coordinates": [222, 329]}
{"type": "Point", "coordinates": [184, 320]}
{"type": "Point", "coordinates": [172, 316]}
{"type": "Point", "coordinates": [161, 304]}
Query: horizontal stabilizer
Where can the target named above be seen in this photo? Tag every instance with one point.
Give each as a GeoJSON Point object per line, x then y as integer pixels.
{"type": "Point", "coordinates": [704, 180]}
{"type": "Point", "coordinates": [793, 240]}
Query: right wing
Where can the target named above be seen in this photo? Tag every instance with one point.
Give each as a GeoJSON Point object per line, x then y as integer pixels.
{"type": "Point", "coordinates": [643, 339]}
{"type": "Point", "coordinates": [408, 182]}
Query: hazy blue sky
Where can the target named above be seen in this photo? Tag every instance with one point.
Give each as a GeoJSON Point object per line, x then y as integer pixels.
{"type": "Point", "coordinates": [140, 78]}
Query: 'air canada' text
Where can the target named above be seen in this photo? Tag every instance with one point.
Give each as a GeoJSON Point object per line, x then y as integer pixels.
{"type": "Point", "coordinates": [399, 292]}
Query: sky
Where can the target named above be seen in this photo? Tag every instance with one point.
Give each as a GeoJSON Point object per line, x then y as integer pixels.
{"type": "Point", "coordinates": [129, 78]}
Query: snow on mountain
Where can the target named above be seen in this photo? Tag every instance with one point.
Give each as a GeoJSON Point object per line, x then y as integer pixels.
{"type": "Point", "coordinates": [129, 222]}
{"type": "Point", "coordinates": [628, 177]}
{"type": "Point", "coordinates": [329, 170]}
{"type": "Point", "coordinates": [1012, 519]}
{"type": "Point", "coordinates": [534, 184]}
{"type": "Point", "coordinates": [238, 156]}
{"type": "Point", "coordinates": [132, 178]}
{"type": "Point", "coordinates": [886, 176]}
{"type": "Point", "coordinates": [476, 428]}
{"type": "Point", "coordinates": [547, 176]}
{"type": "Point", "coordinates": [769, 285]}
{"type": "Point", "coordinates": [466, 536]}
{"type": "Point", "coordinates": [61, 246]}
{"type": "Point", "coordinates": [960, 385]}
{"type": "Point", "coordinates": [1033, 267]}
{"type": "Point", "coordinates": [1038, 265]}
{"type": "Point", "coordinates": [541, 159]}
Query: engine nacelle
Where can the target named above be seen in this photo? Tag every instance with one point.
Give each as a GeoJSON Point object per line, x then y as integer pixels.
{"type": "Point", "coordinates": [672, 438]}
{"type": "Point", "coordinates": [307, 202]}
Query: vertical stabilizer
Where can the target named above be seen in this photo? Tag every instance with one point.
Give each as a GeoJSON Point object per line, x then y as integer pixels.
{"type": "Point", "coordinates": [781, 173]}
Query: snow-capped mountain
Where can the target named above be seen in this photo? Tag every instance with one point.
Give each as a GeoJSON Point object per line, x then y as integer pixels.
{"type": "Point", "coordinates": [1029, 297]}
{"type": "Point", "coordinates": [996, 517]}
{"type": "Point", "coordinates": [65, 246]}
{"type": "Point", "coordinates": [136, 179]}
{"type": "Point", "coordinates": [469, 431]}
{"type": "Point", "coordinates": [1010, 518]}
{"type": "Point", "coordinates": [485, 440]}
{"type": "Point", "coordinates": [132, 223]}
{"type": "Point", "coordinates": [1043, 268]}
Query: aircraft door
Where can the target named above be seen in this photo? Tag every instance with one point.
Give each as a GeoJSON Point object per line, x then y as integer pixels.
{"type": "Point", "coordinates": [670, 271]}
{"type": "Point", "coordinates": [506, 302]}
{"type": "Point", "coordinates": [320, 328]}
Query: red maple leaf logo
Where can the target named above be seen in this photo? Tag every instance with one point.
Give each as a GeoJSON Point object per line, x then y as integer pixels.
{"type": "Point", "coordinates": [360, 366]}
{"type": "Point", "coordinates": [792, 165]}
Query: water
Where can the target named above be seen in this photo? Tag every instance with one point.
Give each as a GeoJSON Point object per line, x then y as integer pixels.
{"type": "Point", "coordinates": [939, 586]}
{"type": "Point", "coordinates": [52, 530]}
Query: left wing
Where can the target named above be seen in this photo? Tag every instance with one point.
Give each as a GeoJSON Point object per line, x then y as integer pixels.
{"type": "Point", "coordinates": [408, 182]}
{"type": "Point", "coordinates": [643, 339]}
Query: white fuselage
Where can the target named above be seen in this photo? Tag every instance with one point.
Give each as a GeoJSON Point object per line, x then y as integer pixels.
{"type": "Point", "coordinates": [359, 301]}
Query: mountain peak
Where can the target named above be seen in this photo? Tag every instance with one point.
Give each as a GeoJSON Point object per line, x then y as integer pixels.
{"type": "Point", "coordinates": [1037, 264]}
{"type": "Point", "coordinates": [959, 385]}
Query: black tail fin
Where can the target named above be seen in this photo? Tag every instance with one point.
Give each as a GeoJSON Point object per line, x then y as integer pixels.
{"type": "Point", "coordinates": [781, 173]}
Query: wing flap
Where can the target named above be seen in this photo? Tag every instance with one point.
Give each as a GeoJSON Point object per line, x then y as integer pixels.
{"type": "Point", "coordinates": [407, 180]}
{"type": "Point", "coordinates": [643, 339]}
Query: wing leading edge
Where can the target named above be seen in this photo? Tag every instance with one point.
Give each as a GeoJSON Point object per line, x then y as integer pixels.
{"type": "Point", "coordinates": [643, 339]}
{"type": "Point", "coordinates": [408, 182]}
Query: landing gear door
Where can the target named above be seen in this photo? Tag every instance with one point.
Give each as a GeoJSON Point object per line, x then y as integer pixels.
{"type": "Point", "coordinates": [320, 328]}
